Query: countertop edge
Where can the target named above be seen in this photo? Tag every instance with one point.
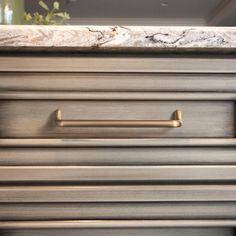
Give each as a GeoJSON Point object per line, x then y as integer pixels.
{"type": "Point", "coordinates": [117, 38]}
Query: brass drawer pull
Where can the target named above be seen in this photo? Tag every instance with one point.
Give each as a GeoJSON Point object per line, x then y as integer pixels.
{"type": "Point", "coordinates": [176, 123]}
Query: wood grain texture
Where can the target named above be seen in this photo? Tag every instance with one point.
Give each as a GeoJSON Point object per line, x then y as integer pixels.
{"type": "Point", "coordinates": [117, 173]}
{"type": "Point", "coordinates": [120, 231]}
{"type": "Point", "coordinates": [96, 224]}
{"type": "Point", "coordinates": [118, 64]}
{"type": "Point", "coordinates": [117, 96]}
{"type": "Point", "coordinates": [107, 156]}
{"type": "Point", "coordinates": [54, 174]}
{"type": "Point", "coordinates": [114, 82]}
{"type": "Point", "coordinates": [124, 142]}
{"type": "Point", "coordinates": [117, 211]}
{"type": "Point", "coordinates": [36, 119]}
{"type": "Point", "coordinates": [118, 193]}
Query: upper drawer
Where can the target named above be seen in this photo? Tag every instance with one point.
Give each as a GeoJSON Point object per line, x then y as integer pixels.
{"type": "Point", "coordinates": [117, 97]}
{"type": "Point", "coordinates": [116, 119]}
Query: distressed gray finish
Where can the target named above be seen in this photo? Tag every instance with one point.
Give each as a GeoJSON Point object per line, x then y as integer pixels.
{"type": "Point", "coordinates": [116, 224]}
{"type": "Point", "coordinates": [119, 64]}
{"type": "Point", "coordinates": [36, 119]}
{"type": "Point", "coordinates": [114, 82]}
{"type": "Point", "coordinates": [118, 211]}
{"type": "Point", "coordinates": [119, 232]}
{"type": "Point", "coordinates": [124, 142]}
{"type": "Point", "coordinates": [117, 181]}
{"type": "Point", "coordinates": [117, 173]}
{"type": "Point", "coordinates": [119, 193]}
{"type": "Point", "coordinates": [117, 96]}
{"type": "Point", "coordinates": [106, 156]}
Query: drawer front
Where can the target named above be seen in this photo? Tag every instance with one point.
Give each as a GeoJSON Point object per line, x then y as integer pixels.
{"type": "Point", "coordinates": [101, 92]}
{"type": "Point", "coordinates": [37, 118]}
{"type": "Point", "coordinates": [117, 88]}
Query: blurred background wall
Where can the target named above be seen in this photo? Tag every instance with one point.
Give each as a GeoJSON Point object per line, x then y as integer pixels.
{"type": "Point", "coordinates": [147, 12]}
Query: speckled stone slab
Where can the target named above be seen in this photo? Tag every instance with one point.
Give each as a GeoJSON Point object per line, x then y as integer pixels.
{"type": "Point", "coordinates": [117, 37]}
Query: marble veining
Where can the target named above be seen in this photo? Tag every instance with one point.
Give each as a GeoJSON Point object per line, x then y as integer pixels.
{"type": "Point", "coordinates": [117, 37]}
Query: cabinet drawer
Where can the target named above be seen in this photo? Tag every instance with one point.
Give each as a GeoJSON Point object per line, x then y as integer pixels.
{"type": "Point", "coordinates": [116, 119]}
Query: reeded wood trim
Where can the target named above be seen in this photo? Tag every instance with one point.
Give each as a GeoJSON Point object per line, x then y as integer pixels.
{"type": "Point", "coordinates": [107, 156]}
{"type": "Point", "coordinates": [118, 64]}
{"type": "Point", "coordinates": [177, 173]}
{"type": "Point", "coordinates": [152, 142]}
{"type": "Point", "coordinates": [91, 224]}
{"type": "Point", "coordinates": [128, 193]}
{"type": "Point", "coordinates": [136, 96]}
{"type": "Point", "coordinates": [118, 210]}
{"type": "Point", "coordinates": [117, 82]}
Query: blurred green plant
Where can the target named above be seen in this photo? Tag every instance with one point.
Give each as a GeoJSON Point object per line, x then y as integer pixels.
{"type": "Point", "coordinates": [52, 17]}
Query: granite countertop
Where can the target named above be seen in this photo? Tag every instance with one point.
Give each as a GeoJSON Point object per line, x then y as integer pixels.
{"type": "Point", "coordinates": [122, 38]}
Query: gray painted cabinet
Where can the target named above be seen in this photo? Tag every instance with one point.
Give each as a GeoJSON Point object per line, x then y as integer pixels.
{"type": "Point", "coordinates": [143, 144]}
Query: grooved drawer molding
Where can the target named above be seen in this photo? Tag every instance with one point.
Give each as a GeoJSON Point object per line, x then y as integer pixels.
{"type": "Point", "coordinates": [117, 143]}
